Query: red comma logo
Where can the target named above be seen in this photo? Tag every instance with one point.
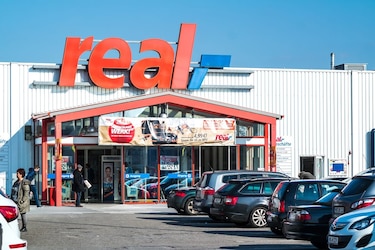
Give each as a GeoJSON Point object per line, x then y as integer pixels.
{"type": "Point", "coordinates": [121, 131]}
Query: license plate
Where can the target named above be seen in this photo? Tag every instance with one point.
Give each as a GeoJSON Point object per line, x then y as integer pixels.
{"type": "Point", "coordinates": [338, 210]}
{"type": "Point", "coordinates": [217, 200]}
{"type": "Point", "coordinates": [333, 240]}
{"type": "Point", "coordinates": [292, 216]}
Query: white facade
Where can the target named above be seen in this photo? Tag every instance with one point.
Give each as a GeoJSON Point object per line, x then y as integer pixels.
{"type": "Point", "coordinates": [328, 114]}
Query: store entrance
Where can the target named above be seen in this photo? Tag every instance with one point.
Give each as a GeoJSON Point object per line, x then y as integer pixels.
{"type": "Point", "coordinates": [178, 167]}
{"type": "Point", "coordinates": [91, 159]}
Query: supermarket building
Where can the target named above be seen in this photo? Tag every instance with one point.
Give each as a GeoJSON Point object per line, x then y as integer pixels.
{"type": "Point", "coordinates": [167, 118]}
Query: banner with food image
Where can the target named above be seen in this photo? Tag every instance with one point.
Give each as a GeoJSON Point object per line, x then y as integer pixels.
{"type": "Point", "coordinates": [172, 131]}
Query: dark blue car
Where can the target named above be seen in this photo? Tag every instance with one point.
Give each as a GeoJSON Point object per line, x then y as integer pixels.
{"type": "Point", "coordinates": [311, 222]}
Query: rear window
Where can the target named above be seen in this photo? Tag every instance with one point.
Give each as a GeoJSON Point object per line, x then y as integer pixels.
{"type": "Point", "coordinates": [273, 174]}
{"type": "Point", "coordinates": [252, 175]}
{"type": "Point", "coordinates": [357, 186]}
{"type": "Point", "coordinates": [227, 178]}
{"type": "Point", "coordinates": [280, 190]}
{"type": "Point", "coordinates": [269, 187]}
{"type": "Point", "coordinates": [204, 180]}
{"type": "Point", "coordinates": [307, 192]}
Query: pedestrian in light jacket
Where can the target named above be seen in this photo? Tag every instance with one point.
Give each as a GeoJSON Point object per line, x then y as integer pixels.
{"type": "Point", "coordinates": [21, 196]}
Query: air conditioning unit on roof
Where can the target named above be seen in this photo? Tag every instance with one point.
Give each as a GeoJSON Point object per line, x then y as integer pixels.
{"type": "Point", "coordinates": [352, 66]}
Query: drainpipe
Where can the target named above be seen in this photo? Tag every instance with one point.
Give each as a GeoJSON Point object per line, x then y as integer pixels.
{"type": "Point", "coordinates": [351, 125]}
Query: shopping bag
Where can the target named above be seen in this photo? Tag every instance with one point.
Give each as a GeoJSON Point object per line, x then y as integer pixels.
{"type": "Point", "coordinates": [87, 183]}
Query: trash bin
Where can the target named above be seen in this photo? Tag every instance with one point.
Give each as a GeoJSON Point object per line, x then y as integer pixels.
{"type": "Point", "coordinates": [52, 196]}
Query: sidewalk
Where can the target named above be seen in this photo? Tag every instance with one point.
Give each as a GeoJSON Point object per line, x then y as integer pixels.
{"type": "Point", "coordinates": [103, 208]}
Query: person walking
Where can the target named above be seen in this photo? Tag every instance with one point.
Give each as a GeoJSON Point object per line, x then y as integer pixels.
{"type": "Point", "coordinates": [31, 177]}
{"type": "Point", "coordinates": [306, 175]}
{"type": "Point", "coordinates": [21, 196]}
{"type": "Point", "coordinates": [78, 186]}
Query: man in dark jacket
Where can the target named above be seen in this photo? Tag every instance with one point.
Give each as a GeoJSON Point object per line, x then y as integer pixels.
{"type": "Point", "coordinates": [78, 186]}
{"type": "Point", "coordinates": [31, 177]}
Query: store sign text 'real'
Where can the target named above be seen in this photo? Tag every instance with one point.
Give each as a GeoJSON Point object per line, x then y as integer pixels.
{"type": "Point", "coordinates": [172, 70]}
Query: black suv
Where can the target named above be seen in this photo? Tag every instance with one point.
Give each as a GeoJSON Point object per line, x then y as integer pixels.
{"type": "Point", "coordinates": [244, 202]}
{"type": "Point", "coordinates": [358, 193]}
{"type": "Point", "coordinates": [294, 193]}
{"type": "Point", "coordinates": [211, 181]}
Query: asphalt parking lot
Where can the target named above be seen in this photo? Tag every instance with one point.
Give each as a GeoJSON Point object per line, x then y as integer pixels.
{"type": "Point", "coordinates": [154, 226]}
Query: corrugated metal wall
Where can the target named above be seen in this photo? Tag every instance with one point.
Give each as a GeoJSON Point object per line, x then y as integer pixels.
{"type": "Point", "coordinates": [327, 113]}
{"type": "Point", "coordinates": [363, 116]}
{"type": "Point", "coordinates": [5, 123]}
{"type": "Point", "coordinates": [316, 106]}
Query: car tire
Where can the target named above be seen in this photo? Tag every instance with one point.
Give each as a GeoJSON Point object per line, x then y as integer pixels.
{"type": "Point", "coordinates": [257, 217]}
{"type": "Point", "coordinates": [283, 231]}
{"type": "Point", "coordinates": [188, 208]}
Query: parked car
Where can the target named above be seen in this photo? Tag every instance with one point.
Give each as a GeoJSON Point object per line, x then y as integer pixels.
{"type": "Point", "coordinates": [167, 182]}
{"type": "Point", "coordinates": [180, 184]}
{"type": "Point", "coordinates": [182, 200]}
{"type": "Point", "coordinates": [311, 222]}
{"type": "Point", "coordinates": [294, 193]}
{"type": "Point", "coordinates": [353, 230]}
{"type": "Point", "coordinates": [359, 193]}
{"type": "Point", "coordinates": [244, 201]}
{"type": "Point", "coordinates": [131, 192]}
{"type": "Point", "coordinates": [211, 181]}
{"type": "Point", "coordinates": [11, 235]}
{"type": "Point", "coordinates": [140, 186]}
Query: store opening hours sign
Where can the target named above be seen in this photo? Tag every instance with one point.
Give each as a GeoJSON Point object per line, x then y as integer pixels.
{"type": "Point", "coordinates": [169, 163]}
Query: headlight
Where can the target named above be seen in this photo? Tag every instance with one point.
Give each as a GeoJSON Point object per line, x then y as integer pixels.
{"type": "Point", "coordinates": [362, 224]}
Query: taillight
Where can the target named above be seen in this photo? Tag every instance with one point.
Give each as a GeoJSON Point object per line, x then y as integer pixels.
{"type": "Point", "coordinates": [363, 203]}
{"type": "Point", "coordinates": [19, 245]}
{"type": "Point", "coordinates": [303, 215]}
{"type": "Point", "coordinates": [208, 191]}
{"type": "Point", "coordinates": [282, 207]}
{"type": "Point", "coordinates": [10, 213]}
{"type": "Point", "coordinates": [180, 194]}
{"type": "Point", "coordinates": [230, 200]}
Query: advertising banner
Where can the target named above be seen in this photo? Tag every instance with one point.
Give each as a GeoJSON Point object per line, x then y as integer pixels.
{"type": "Point", "coordinates": [170, 131]}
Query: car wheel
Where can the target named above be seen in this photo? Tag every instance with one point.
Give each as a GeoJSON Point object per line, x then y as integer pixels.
{"type": "Point", "coordinates": [258, 217]}
{"type": "Point", "coordinates": [188, 208]}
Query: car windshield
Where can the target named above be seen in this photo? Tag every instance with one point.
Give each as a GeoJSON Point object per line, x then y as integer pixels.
{"type": "Point", "coordinates": [145, 181]}
{"type": "Point", "coordinates": [131, 181]}
{"type": "Point", "coordinates": [357, 186]}
{"type": "Point", "coordinates": [228, 187]}
{"type": "Point", "coordinates": [3, 193]}
{"type": "Point", "coordinates": [327, 198]}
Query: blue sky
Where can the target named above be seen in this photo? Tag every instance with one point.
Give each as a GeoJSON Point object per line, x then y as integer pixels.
{"type": "Point", "coordinates": [257, 34]}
